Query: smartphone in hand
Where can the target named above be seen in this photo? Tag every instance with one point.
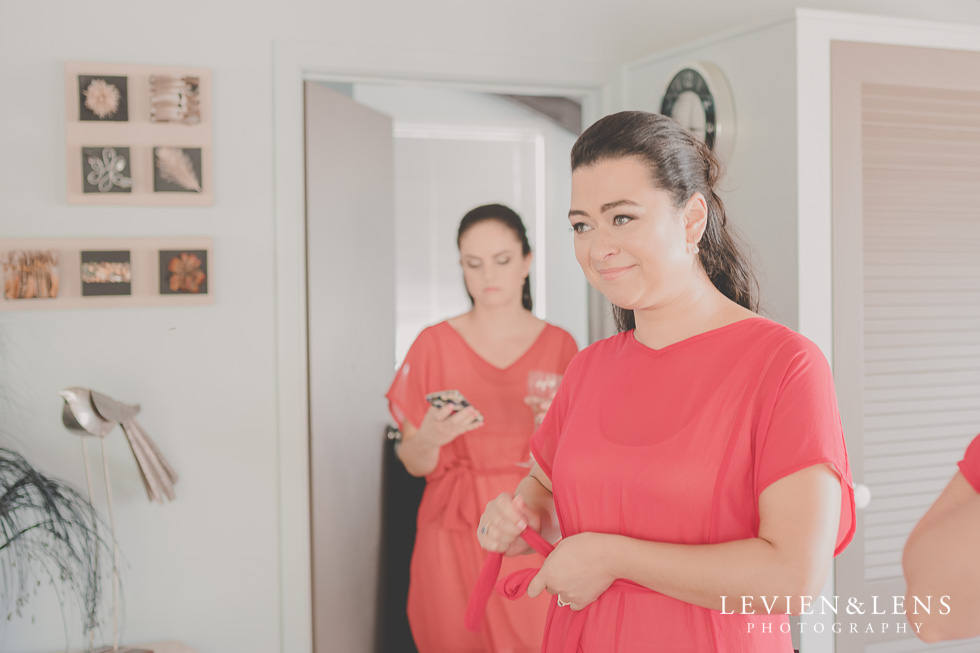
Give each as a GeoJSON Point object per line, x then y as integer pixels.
{"type": "Point", "coordinates": [454, 398]}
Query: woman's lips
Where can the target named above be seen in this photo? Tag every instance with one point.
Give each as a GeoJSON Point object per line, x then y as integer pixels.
{"type": "Point", "coordinates": [609, 274]}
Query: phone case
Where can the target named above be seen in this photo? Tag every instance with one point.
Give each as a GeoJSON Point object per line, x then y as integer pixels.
{"type": "Point", "coordinates": [453, 397]}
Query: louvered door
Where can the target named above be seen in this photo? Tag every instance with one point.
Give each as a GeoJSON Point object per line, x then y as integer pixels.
{"type": "Point", "coordinates": [907, 301]}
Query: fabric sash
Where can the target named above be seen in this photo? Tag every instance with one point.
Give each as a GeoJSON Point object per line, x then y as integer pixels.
{"type": "Point", "coordinates": [453, 500]}
{"type": "Point", "coordinates": [515, 586]}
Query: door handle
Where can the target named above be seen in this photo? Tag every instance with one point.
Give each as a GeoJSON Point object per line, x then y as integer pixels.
{"type": "Point", "coordinates": [862, 496]}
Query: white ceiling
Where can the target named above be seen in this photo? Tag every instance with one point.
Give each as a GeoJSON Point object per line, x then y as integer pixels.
{"type": "Point", "coordinates": [622, 30]}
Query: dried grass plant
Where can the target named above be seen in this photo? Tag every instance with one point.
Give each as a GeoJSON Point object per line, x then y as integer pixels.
{"type": "Point", "coordinates": [48, 531]}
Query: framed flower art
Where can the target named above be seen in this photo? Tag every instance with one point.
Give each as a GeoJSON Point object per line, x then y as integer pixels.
{"type": "Point", "coordinates": [105, 272]}
{"type": "Point", "coordinates": [138, 135]}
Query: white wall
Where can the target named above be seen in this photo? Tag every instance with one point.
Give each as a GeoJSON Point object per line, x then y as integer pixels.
{"type": "Point", "coordinates": [455, 150]}
{"type": "Point", "coordinates": [759, 189]}
{"type": "Point", "coordinates": [205, 569]}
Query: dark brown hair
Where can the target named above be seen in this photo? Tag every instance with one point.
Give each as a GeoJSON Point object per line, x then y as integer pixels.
{"type": "Point", "coordinates": [509, 218]}
{"type": "Point", "coordinates": [682, 165]}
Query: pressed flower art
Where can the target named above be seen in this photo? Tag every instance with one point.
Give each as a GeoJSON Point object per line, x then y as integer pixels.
{"type": "Point", "coordinates": [103, 98]}
{"type": "Point", "coordinates": [158, 155]}
{"type": "Point", "coordinates": [183, 272]}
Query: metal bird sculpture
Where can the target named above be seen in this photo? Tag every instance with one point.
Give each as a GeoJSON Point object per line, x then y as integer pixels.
{"type": "Point", "coordinates": [88, 412]}
{"type": "Point", "coordinates": [93, 413]}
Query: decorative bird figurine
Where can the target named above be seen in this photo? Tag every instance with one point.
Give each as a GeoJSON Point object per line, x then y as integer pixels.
{"type": "Point", "coordinates": [88, 412]}
{"type": "Point", "coordinates": [96, 414]}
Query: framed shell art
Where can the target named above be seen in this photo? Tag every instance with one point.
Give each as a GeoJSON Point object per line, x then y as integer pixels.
{"type": "Point", "coordinates": [138, 135]}
{"type": "Point", "coordinates": [105, 272]}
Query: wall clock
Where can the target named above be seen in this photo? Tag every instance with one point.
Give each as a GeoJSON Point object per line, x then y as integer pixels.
{"type": "Point", "coordinates": [699, 98]}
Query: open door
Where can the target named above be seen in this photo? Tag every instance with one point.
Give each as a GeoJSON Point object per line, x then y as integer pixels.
{"type": "Point", "coordinates": [351, 319]}
{"type": "Point", "coordinates": [906, 187]}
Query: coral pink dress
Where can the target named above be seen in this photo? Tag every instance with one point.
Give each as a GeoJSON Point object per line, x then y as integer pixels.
{"type": "Point", "coordinates": [472, 470]}
{"type": "Point", "coordinates": [676, 445]}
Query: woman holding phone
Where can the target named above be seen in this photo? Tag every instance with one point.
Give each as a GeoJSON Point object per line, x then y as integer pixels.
{"type": "Point", "coordinates": [470, 455]}
{"type": "Point", "coordinates": [695, 461]}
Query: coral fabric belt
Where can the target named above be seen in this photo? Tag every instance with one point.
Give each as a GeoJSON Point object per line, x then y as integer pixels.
{"type": "Point", "coordinates": [515, 586]}
{"type": "Point", "coordinates": [453, 500]}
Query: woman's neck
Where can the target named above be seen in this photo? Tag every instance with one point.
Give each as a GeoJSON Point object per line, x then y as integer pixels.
{"type": "Point", "coordinates": [500, 320]}
{"type": "Point", "coordinates": [698, 309]}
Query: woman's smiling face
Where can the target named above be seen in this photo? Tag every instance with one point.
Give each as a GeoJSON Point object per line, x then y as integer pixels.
{"type": "Point", "coordinates": [633, 244]}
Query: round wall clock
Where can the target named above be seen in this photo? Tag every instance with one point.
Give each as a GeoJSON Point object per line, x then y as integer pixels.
{"type": "Point", "coordinates": [698, 97]}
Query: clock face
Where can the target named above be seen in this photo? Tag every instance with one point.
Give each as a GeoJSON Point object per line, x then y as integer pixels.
{"type": "Point", "coordinates": [689, 101]}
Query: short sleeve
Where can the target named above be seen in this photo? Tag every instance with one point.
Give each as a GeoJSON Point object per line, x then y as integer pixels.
{"type": "Point", "coordinates": [406, 396]}
{"type": "Point", "coordinates": [544, 441]}
{"type": "Point", "coordinates": [970, 465]}
{"type": "Point", "coordinates": [804, 429]}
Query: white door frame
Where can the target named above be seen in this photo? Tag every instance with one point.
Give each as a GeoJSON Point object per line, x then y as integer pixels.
{"type": "Point", "coordinates": [294, 63]}
{"type": "Point", "coordinates": [815, 32]}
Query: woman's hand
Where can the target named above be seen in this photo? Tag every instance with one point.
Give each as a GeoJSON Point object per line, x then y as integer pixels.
{"type": "Point", "coordinates": [575, 570]}
{"type": "Point", "coordinates": [419, 447]}
{"type": "Point", "coordinates": [502, 523]}
{"type": "Point", "coordinates": [440, 426]}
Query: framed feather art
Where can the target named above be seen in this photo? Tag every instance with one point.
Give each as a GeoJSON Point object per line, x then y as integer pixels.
{"type": "Point", "coordinates": [138, 135]}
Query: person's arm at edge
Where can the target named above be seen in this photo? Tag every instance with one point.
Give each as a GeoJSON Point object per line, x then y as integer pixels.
{"type": "Point", "coordinates": [942, 558]}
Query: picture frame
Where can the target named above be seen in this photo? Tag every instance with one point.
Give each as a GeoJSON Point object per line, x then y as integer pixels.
{"type": "Point", "coordinates": [73, 273]}
{"type": "Point", "coordinates": [120, 119]}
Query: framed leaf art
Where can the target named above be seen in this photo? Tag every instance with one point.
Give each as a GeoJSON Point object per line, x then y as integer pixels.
{"type": "Point", "coordinates": [138, 135]}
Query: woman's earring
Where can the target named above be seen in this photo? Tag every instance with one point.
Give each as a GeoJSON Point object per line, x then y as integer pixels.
{"type": "Point", "coordinates": [694, 248]}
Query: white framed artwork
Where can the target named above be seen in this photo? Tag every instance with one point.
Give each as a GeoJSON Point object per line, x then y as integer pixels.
{"type": "Point", "coordinates": [138, 135]}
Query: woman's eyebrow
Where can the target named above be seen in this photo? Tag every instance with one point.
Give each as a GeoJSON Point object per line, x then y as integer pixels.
{"type": "Point", "coordinates": [607, 206]}
{"type": "Point", "coordinates": [612, 205]}
{"type": "Point", "coordinates": [500, 253]}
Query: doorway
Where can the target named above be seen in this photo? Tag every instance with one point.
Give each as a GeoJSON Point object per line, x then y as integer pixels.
{"type": "Point", "coordinates": [381, 227]}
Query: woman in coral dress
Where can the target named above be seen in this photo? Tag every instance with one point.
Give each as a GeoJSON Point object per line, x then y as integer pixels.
{"type": "Point", "coordinates": [695, 460]}
{"type": "Point", "coordinates": [486, 354]}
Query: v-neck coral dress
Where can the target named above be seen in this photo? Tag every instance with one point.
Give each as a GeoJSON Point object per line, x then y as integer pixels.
{"type": "Point", "coordinates": [472, 470]}
{"type": "Point", "coordinates": [676, 445]}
